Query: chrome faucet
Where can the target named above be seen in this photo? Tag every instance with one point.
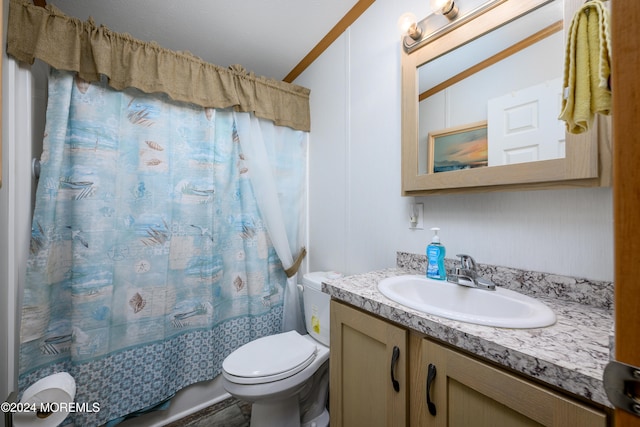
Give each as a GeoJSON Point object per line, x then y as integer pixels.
{"type": "Point", "coordinates": [467, 275]}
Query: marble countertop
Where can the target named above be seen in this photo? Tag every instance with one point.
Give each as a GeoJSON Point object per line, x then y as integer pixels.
{"type": "Point", "coordinates": [571, 354]}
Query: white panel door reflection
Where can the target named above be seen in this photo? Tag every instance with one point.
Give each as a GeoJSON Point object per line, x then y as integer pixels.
{"type": "Point", "coordinates": [523, 126]}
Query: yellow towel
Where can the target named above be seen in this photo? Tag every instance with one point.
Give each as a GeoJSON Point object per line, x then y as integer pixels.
{"type": "Point", "coordinates": [587, 67]}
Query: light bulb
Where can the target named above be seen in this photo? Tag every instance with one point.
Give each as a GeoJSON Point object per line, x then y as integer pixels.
{"type": "Point", "coordinates": [407, 24]}
{"type": "Point", "coordinates": [405, 21]}
{"type": "Point", "coordinates": [447, 8]}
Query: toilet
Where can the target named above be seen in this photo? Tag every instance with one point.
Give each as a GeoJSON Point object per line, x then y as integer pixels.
{"type": "Point", "coordinates": [286, 376]}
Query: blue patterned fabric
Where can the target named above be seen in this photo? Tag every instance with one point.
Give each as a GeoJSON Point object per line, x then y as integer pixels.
{"type": "Point", "coordinates": [149, 260]}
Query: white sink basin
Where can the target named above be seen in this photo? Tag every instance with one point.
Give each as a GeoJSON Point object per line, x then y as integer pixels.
{"type": "Point", "coordinates": [501, 308]}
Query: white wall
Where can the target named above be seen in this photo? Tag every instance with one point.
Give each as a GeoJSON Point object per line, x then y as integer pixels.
{"type": "Point", "coordinates": [7, 333]}
{"type": "Point", "coordinates": [24, 104]}
{"type": "Point", "coordinates": [357, 218]}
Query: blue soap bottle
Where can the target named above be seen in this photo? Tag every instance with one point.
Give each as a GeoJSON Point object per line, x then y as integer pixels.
{"type": "Point", "coordinates": [435, 258]}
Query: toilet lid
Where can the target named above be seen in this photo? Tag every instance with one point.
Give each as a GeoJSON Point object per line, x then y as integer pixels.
{"type": "Point", "coordinates": [270, 358]}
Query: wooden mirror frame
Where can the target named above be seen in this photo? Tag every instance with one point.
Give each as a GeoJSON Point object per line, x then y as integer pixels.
{"type": "Point", "coordinates": [587, 162]}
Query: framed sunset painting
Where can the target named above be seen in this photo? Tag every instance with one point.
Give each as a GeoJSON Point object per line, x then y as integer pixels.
{"type": "Point", "coordinates": [461, 147]}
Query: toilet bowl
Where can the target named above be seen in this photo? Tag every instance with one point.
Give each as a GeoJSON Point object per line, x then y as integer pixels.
{"type": "Point", "coordinates": [286, 376]}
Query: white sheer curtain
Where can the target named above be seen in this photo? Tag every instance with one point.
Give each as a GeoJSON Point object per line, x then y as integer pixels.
{"type": "Point", "coordinates": [276, 159]}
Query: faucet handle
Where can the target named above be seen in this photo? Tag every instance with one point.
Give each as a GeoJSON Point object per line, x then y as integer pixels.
{"type": "Point", "coordinates": [467, 262]}
{"type": "Point", "coordinates": [467, 274]}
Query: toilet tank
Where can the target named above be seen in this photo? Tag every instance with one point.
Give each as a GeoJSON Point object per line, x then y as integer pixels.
{"type": "Point", "coordinates": [316, 304]}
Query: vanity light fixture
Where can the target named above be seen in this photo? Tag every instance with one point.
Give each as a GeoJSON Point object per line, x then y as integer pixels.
{"type": "Point", "coordinates": [416, 33]}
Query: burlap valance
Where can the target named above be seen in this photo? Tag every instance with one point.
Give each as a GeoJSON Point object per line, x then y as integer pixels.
{"type": "Point", "coordinates": [70, 44]}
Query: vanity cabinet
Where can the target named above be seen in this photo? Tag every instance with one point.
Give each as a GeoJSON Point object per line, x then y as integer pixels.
{"type": "Point", "coordinates": [368, 356]}
{"type": "Point", "coordinates": [464, 391]}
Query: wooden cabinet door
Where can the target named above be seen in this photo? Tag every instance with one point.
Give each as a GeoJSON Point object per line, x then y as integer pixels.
{"type": "Point", "coordinates": [467, 392]}
{"type": "Point", "coordinates": [362, 392]}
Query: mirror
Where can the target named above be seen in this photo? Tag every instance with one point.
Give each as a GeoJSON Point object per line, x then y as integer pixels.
{"type": "Point", "coordinates": [480, 106]}
{"type": "Point", "coordinates": [505, 81]}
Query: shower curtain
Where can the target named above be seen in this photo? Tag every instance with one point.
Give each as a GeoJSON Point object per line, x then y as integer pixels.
{"type": "Point", "coordinates": [150, 257]}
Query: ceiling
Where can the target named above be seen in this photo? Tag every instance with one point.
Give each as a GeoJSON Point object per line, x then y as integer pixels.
{"type": "Point", "coordinates": [268, 37]}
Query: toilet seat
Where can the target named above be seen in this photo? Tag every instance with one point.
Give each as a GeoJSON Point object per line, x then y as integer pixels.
{"type": "Point", "coordinates": [269, 359]}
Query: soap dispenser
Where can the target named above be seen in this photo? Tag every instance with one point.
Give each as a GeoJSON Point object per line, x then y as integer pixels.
{"type": "Point", "coordinates": [435, 258]}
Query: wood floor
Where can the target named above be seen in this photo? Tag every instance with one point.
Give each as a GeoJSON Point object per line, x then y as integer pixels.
{"type": "Point", "coordinates": [228, 413]}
